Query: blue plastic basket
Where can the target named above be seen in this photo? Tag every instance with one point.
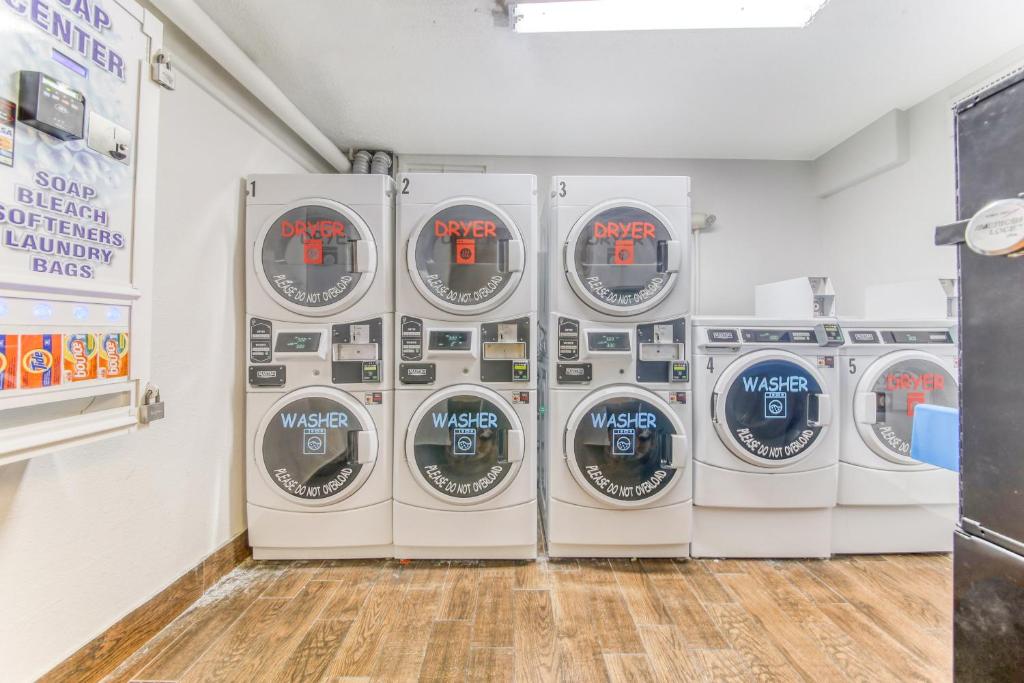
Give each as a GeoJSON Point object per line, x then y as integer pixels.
{"type": "Point", "coordinates": [936, 436]}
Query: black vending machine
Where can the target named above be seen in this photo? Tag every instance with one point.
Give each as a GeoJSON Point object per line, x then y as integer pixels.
{"type": "Point", "coordinates": [988, 575]}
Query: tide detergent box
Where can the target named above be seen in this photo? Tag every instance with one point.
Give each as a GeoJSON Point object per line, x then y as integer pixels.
{"type": "Point", "coordinates": [80, 359]}
{"type": "Point", "coordinates": [113, 355]}
{"type": "Point", "coordinates": [8, 361]}
{"type": "Point", "coordinates": [40, 360]}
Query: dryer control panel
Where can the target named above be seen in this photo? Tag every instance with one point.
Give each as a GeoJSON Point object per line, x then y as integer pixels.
{"type": "Point", "coordinates": [349, 353]}
{"type": "Point", "coordinates": [496, 352]}
{"type": "Point", "coordinates": [606, 353]}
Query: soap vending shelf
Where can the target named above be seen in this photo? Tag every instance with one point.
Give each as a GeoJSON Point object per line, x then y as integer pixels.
{"type": "Point", "coordinates": [66, 370]}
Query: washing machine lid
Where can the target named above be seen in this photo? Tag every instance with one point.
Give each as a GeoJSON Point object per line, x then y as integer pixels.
{"type": "Point", "coordinates": [465, 444]}
{"type": "Point", "coordinates": [466, 256]}
{"type": "Point", "coordinates": [315, 257]}
{"type": "Point", "coordinates": [316, 446]}
{"type": "Point", "coordinates": [889, 391]}
{"type": "Point", "coordinates": [770, 408]}
{"type": "Point", "coordinates": [625, 446]}
{"type": "Point", "coordinates": [623, 257]}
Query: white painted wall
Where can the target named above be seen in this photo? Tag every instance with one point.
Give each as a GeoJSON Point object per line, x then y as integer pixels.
{"type": "Point", "coordinates": [882, 230]}
{"type": "Point", "coordinates": [89, 534]}
{"type": "Point", "coordinates": [767, 211]}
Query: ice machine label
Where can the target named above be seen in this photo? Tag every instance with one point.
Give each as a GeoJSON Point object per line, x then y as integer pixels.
{"type": "Point", "coordinates": [622, 447]}
{"type": "Point", "coordinates": [622, 256]}
{"type": "Point", "coordinates": [309, 256]}
{"type": "Point", "coordinates": [463, 255]}
{"type": "Point", "coordinates": [770, 408]}
{"type": "Point", "coordinates": [310, 448]}
{"type": "Point", "coordinates": [461, 447]}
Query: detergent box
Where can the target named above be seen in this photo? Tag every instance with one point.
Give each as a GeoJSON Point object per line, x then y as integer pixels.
{"type": "Point", "coordinates": [40, 360]}
{"type": "Point", "coordinates": [8, 361]}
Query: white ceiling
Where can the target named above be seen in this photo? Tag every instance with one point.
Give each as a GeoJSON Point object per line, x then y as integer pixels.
{"type": "Point", "coordinates": [438, 77]}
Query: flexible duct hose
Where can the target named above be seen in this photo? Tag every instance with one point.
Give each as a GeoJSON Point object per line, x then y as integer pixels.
{"type": "Point", "coordinates": [361, 162]}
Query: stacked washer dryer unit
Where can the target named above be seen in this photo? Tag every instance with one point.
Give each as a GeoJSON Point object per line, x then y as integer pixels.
{"type": "Point", "coordinates": [893, 361]}
{"type": "Point", "coordinates": [616, 475]}
{"type": "Point", "coordinates": [465, 469]}
{"type": "Point", "coordinates": [766, 447]}
{"type": "Point", "coordinates": [319, 323]}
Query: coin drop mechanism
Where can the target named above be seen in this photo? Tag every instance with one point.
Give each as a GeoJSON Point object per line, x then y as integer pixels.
{"type": "Point", "coordinates": [508, 346]}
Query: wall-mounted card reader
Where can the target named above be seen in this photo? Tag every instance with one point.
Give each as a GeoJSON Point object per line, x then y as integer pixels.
{"type": "Point", "coordinates": [46, 104]}
{"type": "Point", "coordinates": [829, 334]}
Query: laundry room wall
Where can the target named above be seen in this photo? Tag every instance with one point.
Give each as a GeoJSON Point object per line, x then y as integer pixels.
{"type": "Point", "coordinates": [88, 534]}
{"type": "Point", "coordinates": [766, 212]}
{"type": "Point", "coordinates": [881, 230]}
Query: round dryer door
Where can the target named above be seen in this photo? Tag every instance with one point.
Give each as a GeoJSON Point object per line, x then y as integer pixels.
{"type": "Point", "coordinates": [770, 409]}
{"type": "Point", "coordinates": [625, 446]}
{"type": "Point", "coordinates": [316, 257]}
{"type": "Point", "coordinates": [464, 444]}
{"type": "Point", "coordinates": [892, 386]}
{"type": "Point", "coordinates": [467, 256]}
{"type": "Point", "coordinates": [316, 446]}
{"type": "Point", "coordinates": [623, 257]}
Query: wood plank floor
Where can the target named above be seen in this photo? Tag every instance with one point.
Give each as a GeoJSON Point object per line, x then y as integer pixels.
{"type": "Point", "coordinates": [856, 618]}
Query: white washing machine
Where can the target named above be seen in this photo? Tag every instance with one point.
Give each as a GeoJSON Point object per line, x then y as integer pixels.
{"type": "Point", "coordinates": [767, 449]}
{"type": "Point", "coordinates": [465, 461]}
{"type": "Point", "coordinates": [619, 247]}
{"type": "Point", "coordinates": [467, 245]}
{"type": "Point", "coordinates": [318, 439]}
{"type": "Point", "coordinates": [888, 502]}
{"type": "Point", "coordinates": [319, 245]}
{"type": "Point", "coordinates": [616, 473]}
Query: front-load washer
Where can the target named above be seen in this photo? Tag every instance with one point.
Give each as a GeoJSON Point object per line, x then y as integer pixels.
{"type": "Point", "coordinates": [467, 245]}
{"type": "Point", "coordinates": [616, 473]}
{"type": "Point", "coordinates": [767, 449]}
{"type": "Point", "coordinates": [619, 247]}
{"type": "Point", "coordinates": [889, 502]}
{"type": "Point", "coordinates": [465, 461]}
{"type": "Point", "coordinates": [319, 245]}
{"type": "Point", "coordinates": [318, 438]}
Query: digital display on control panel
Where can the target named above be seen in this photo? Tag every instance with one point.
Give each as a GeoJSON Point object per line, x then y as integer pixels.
{"type": "Point", "coordinates": [863, 337]}
{"type": "Point", "coordinates": [608, 341]}
{"type": "Point", "coordinates": [918, 337]}
{"type": "Point", "coordinates": [297, 342]}
{"type": "Point", "coordinates": [779, 336]}
{"type": "Point", "coordinates": [451, 340]}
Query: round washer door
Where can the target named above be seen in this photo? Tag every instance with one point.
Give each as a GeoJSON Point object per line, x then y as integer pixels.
{"type": "Point", "coordinates": [770, 409]}
{"type": "Point", "coordinates": [465, 444]}
{"type": "Point", "coordinates": [625, 446]}
{"type": "Point", "coordinates": [467, 256]}
{"type": "Point", "coordinates": [623, 257]}
{"type": "Point", "coordinates": [316, 257]}
{"type": "Point", "coordinates": [316, 446]}
{"type": "Point", "coordinates": [889, 391]}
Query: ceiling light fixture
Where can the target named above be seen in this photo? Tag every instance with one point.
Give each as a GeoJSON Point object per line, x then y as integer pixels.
{"type": "Point", "coordinates": [554, 16]}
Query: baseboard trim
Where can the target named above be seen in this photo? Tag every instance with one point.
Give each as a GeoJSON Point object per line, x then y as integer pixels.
{"type": "Point", "coordinates": [107, 651]}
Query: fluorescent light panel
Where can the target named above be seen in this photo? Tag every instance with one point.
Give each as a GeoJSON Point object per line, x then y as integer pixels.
{"type": "Point", "coordinates": [641, 15]}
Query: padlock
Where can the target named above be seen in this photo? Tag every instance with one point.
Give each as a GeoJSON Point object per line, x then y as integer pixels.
{"type": "Point", "coordinates": [152, 408]}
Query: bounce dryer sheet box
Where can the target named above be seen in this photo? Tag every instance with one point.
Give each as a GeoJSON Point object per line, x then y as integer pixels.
{"type": "Point", "coordinates": [113, 355]}
{"type": "Point", "coordinates": [40, 360]}
{"type": "Point", "coordinates": [80, 357]}
{"type": "Point", "coordinates": [8, 361]}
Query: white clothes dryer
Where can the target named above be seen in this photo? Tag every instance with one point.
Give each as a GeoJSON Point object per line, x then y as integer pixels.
{"type": "Point", "coordinates": [616, 467]}
{"type": "Point", "coordinates": [619, 247]}
{"type": "Point", "coordinates": [767, 448]}
{"type": "Point", "coordinates": [467, 245]}
{"type": "Point", "coordinates": [888, 502]}
{"type": "Point", "coordinates": [319, 245]}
